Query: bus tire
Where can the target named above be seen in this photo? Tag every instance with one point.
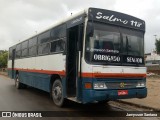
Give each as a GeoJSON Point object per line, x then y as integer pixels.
{"type": "Point", "coordinates": [18, 84]}
{"type": "Point", "coordinates": [57, 93]}
{"type": "Point", "coordinates": [103, 102]}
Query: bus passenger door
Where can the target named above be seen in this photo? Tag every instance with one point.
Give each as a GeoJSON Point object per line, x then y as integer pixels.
{"type": "Point", "coordinates": [72, 60]}
{"type": "Point", "coordinates": [13, 59]}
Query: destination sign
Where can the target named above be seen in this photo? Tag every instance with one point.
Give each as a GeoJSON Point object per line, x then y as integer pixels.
{"type": "Point", "coordinates": [116, 18]}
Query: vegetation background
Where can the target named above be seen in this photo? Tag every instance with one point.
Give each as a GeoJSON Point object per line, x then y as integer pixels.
{"type": "Point", "coordinates": [157, 45]}
{"type": "Point", "coordinates": [3, 58]}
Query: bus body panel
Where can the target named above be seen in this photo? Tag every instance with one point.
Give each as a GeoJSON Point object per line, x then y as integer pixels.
{"type": "Point", "coordinates": [114, 76]}
{"type": "Point", "coordinates": [41, 63]}
{"type": "Point", "coordinates": [103, 95]}
{"type": "Point", "coordinates": [38, 74]}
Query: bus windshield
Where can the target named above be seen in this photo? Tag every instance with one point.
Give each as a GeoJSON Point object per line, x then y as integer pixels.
{"type": "Point", "coordinates": [114, 45]}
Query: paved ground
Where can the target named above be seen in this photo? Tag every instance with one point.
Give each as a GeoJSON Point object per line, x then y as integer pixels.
{"type": "Point", "coordinates": [31, 99]}
{"type": "Point", "coordinates": [153, 98]}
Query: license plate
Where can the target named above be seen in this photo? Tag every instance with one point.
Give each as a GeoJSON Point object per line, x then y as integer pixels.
{"type": "Point", "coordinates": [122, 92]}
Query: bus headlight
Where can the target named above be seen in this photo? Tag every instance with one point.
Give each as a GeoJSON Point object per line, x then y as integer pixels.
{"type": "Point", "coordinates": [99, 85]}
{"type": "Point", "coordinates": [141, 84]}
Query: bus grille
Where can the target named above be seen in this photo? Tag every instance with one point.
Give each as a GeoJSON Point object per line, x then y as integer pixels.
{"type": "Point", "coordinates": [121, 85]}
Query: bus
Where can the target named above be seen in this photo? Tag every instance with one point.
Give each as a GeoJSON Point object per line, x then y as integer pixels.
{"type": "Point", "coordinates": [94, 56]}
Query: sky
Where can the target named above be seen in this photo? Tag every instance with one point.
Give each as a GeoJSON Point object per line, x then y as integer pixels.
{"type": "Point", "coordinates": [21, 19]}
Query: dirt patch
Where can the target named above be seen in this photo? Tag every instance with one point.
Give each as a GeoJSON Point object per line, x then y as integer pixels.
{"type": "Point", "coordinates": [153, 95]}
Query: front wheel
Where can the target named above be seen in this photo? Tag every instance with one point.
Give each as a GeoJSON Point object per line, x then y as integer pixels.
{"type": "Point", "coordinates": [57, 93]}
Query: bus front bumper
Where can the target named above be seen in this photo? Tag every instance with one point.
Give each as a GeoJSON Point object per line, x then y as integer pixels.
{"type": "Point", "coordinates": [100, 95]}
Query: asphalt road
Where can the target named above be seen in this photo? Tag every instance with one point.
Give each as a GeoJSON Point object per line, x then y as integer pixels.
{"type": "Point", "coordinates": [30, 99]}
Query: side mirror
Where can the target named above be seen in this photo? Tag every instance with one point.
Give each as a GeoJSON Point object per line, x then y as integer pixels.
{"type": "Point", "coordinates": [90, 29]}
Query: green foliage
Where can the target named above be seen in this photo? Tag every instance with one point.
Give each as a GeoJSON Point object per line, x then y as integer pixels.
{"type": "Point", "coordinates": [157, 44]}
{"type": "Point", "coordinates": [3, 58]}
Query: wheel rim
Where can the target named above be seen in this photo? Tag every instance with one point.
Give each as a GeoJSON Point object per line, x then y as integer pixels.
{"type": "Point", "coordinates": [57, 94]}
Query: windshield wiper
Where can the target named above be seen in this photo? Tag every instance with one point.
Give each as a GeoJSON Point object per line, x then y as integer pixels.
{"type": "Point", "coordinates": [127, 46]}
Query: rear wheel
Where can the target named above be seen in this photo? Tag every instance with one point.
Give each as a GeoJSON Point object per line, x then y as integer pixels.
{"type": "Point", "coordinates": [18, 84]}
{"type": "Point", "coordinates": [57, 93]}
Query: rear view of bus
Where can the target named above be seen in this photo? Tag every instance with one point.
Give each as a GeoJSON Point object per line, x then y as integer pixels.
{"type": "Point", "coordinates": [114, 57]}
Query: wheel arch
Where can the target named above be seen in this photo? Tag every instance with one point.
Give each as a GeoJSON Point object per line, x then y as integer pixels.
{"type": "Point", "coordinates": [62, 80]}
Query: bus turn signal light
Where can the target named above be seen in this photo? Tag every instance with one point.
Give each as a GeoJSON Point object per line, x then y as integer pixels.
{"type": "Point", "coordinates": [88, 85]}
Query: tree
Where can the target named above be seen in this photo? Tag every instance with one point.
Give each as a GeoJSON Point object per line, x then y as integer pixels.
{"type": "Point", "coordinates": [3, 58]}
{"type": "Point", "coordinates": [157, 44]}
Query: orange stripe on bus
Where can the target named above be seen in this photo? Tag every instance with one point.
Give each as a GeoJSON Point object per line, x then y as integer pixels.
{"type": "Point", "coordinates": [88, 75]}
{"type": "Point", "coordinates": [112, 75]}
{"type": "Point", "coordinates": [40, 71]}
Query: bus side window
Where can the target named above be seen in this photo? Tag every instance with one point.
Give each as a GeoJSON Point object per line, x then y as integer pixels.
{"type": "Point", "coordinates": [18, 50]}
{"type": "Point", "coordinates": [25, 52]}
{"type": "Point", "coordinates": [58, 46]}
{"type": "Point", "coordinates": [18, 54]}
{"type": "Point", "coordinates": [33, 46]}
{"type": "Point", "coordinates": [25, 48]}
{"type": "Point", "coordinates": [10, 53]}
{"type": "Point", "coordinates": [53, 46]}
{"type": "Point", "coordinates": [43, 49]}
{"type": "Point", "coordinates": [33, 51]}
{"type": "Point", "coordinates": [58, 32]}
{"type": "Point", "coordinates": [61, 44]}
{"type": "Point", "coordinates": [44, 37]}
